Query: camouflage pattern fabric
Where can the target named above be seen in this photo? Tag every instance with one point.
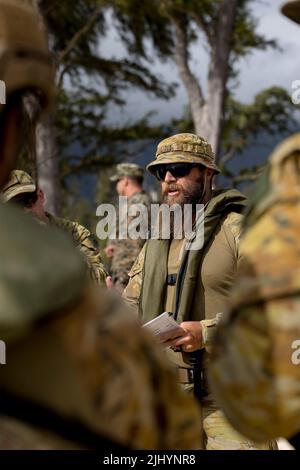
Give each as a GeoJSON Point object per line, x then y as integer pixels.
{"type": "Point", "coordinates": [220, 435]}
{"type": "Point", "coordinates": [184, 148]}
{"type": "Point", "coordinates": [29, 289]}
{"type": "Point", "coordinates": [71, 347]}
{"type": "Point", "coordinates": [217, 431]}
{"type": "Point", "coordinates": [126, 251]}
{"type": "Point", "coordinates": [82, 239]}
{"type": "Point", "coordinates": [19, 182]}
{"type": "Point", "coordinates": [132, 170]}
{"type": "Point", "coordinates": [17, 73]}
{"type": "Point", "coordinates": [88, 359]}
{"type": "Point", "coordinates": [15, 435]}
{"type": "Point", "coordinates": [230, 230]}
{"type": "Point", "coordinates": [255, 372]}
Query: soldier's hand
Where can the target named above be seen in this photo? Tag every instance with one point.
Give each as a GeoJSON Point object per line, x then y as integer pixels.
{"type": "Point", "coordinates": [192, 339]}
{"type": "Point", "coordinates": [109, 251]}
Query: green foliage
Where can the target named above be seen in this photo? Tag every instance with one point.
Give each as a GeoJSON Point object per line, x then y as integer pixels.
{"type": "Point", "coordinates": [151, 20]}
{"type": "Point", "coordinates": [270, 112]}
{"type": "Point", "coordinates": [89, 83]}
{"type": "Point", "coordinates": [246, 38]}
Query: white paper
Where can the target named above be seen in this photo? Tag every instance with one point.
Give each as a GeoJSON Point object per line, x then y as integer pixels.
{"type": "Point", "coordinates": [164, 326]}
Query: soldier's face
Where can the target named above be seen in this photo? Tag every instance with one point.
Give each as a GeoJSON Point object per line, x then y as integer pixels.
{"type": "Point", "coordinates": [185, 190]}
{"type": "Point", "coordinates": [121, 186]}
{"type": "Point", "coordinates": [37, 209]}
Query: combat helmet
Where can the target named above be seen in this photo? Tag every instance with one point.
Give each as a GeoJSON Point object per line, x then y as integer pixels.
{"type": "Point", "coordinates": [25, 62]}
{"type": "Point", "coordinates": [291, 9]}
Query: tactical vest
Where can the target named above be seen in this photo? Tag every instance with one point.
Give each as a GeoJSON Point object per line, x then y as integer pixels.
{"type": "Point", "coordinates": [155, 276]}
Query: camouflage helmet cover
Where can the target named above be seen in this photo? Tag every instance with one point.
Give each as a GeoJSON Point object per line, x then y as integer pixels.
{"type": "Point", "coordinates": [184, 148]}
{"type": "Point", "coordinates": [25, 62]}
{"type": "Point", "coordinates": [127, 169]}
{"type": "Point", "coordinates": [19, 182]}
{"type": "Point", "coordinates": [291, 9]}
{"type": "Point", "coordinates": [278, 182]}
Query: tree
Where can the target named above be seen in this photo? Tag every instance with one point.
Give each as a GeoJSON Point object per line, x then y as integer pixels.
{"type": "Point", "coordinates": [88, 83]}
{"type": "Point", "coordinates": [226, 28]}
{"type": "Point", "coordinates": [271, 113]}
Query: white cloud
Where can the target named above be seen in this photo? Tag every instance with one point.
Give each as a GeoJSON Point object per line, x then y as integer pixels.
{"type": "Point", "coordinates": [267, 68]}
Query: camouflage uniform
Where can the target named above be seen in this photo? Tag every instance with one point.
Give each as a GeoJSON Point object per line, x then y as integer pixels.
{"type": "Point", "coordinates": [74, 355]}
{"type": "Point", "coordinates": [127, 250]}
{"type": "Point", "coordinates": [214, 278]}
{"type": "Point", "coordinates": [82, 239]}
{"type": "Point", "coordinates": [87, 359]}
{"type": "Point", "coordinates": [255, 373]}
{"type": "Point", "coordinates": [254, 377]}
{"type": "Point", "coordinates": [21, 182]}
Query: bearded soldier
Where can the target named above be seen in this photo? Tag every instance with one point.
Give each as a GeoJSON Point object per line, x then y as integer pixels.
{"type": "Point", "coordinates": [192, 284]}
{"type": "Point", "coordinates": [78, 366]}
{"type": "Point", "coordinates": [255, 373]}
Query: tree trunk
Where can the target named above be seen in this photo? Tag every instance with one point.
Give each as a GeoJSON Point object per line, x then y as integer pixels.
{"type": "Point", "coordinates": [47, 169]}
{"type": "Point", "coordinates": [190, 82]}
{"type": "Point", "coordinates": [218, 73]}
{"type": "Point", "coordinates": [207, 114]}
{"type": "Point", "coordinates": [47, 163]}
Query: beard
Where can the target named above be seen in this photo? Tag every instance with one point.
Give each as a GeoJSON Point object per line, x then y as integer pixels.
{"type": "Point", "coordinates": [192, 196]}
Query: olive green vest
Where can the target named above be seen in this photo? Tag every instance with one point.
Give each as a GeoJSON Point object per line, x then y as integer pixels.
{"type": "Point", "coordinates": [154, 285]}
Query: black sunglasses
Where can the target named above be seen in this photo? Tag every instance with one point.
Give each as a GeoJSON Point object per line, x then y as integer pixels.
{"type": "Point", "coordinates": [178, 170]}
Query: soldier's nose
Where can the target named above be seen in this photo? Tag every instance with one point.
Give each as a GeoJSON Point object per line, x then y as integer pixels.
{"type": "Point", "coordinates": [169, 177]}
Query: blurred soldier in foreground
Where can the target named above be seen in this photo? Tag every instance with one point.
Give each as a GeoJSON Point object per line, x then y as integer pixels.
{"type": "Point", "coordinates": [78, 366]}
{"type": "Point", "coordinates": [129, 183]}
{"type": "Point", "coordinates": [194, 285]}
{"type": "Point", "coordinates": [22, 190]}
{"type": "Point", "coordinates": [256, 369]}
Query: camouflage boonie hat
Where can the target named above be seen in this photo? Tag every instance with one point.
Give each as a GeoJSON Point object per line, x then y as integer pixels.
{"type": "Point", "coordinates": [127, 169]}
{"type": "Point", "coordinates": [25, 61]}
{"type": "Point", "coordinates": [184, 148]}
{"type": "Point", "coordinates": [291, 9]}
{"type": "Point", "coordinates": [19, 182]}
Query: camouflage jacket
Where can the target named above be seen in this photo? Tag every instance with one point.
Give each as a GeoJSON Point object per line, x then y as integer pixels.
{"type": "Point", "coordinates": [127, 250]}
{"type": "Point", "coordinates": [74, 349]}
{"type": "Point", "coordinates": [82, 238]}
{"type": "Point", "coordinates": [255, 373]}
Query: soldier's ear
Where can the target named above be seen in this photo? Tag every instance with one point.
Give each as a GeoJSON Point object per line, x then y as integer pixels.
{"type": "Point", "coordinates": [41, 196]}
{"type": "Point", "coordinates": [210, 177]}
